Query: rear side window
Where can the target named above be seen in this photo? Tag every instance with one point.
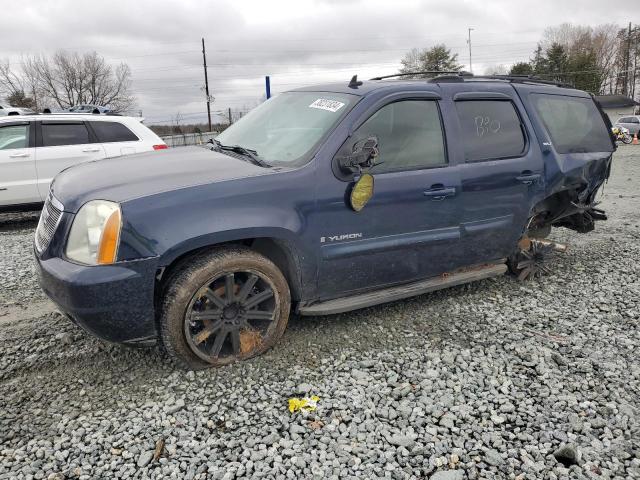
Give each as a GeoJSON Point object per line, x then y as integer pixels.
{"type": "Point", "coordinates": [57, 134]}
{"type": "Point", "coordinates": [491, 129]}
{"type": "Point", "coordinates": [108, 132]}
{"type": "Point", "coordinates": [14, 136]}
{"type": "Point", "coordinates": [574, 123]}
{"type": "Point", "coordinates": [409, 136]}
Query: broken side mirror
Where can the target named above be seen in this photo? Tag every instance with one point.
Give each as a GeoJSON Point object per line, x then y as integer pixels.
{"type": "Point", "coordinates": [362, 157]}
{"type": "Point", "coordinates": [361, 192]}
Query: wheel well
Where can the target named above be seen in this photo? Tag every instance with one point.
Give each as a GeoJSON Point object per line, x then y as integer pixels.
{"type": "Point", "coordinates": [275, 250]}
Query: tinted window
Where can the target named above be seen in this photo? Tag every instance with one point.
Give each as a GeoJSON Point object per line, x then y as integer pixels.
{"type": "Point", "coordinates": [624, 120]}
{"type": "Point", "coordinates": [64, 134]}
{"type": "Point", "coordinates": [113, 132]}
{"type": "Point", "coordinates": [14, 136]}
{"type": "Point", "coordinates": [574, 124]}
{"type": "Point", "coordinates": [409, 136]}
{"type": "Point", "coordinates": [634, 120]}
{"type": "Point", "coordinates": [490, 129]}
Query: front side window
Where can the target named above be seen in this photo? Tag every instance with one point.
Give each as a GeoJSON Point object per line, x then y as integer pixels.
{"type": "Point", "coordinates": [285, 129]}
{"type": "Point", "coordinates": [14, 136]}
{"type": "Point", "coordinates": [109, 132]}
{"type": "Point", "coordinates": [574, 123]}
{"type": "Point", "coordinates": [57, 134]}
{"type": "Point", "coordinates": [409, 136]}
{"type": "Point", "coordinates": [491, 129]}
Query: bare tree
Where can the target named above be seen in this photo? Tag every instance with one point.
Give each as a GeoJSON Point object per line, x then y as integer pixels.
{"type": "Point", "coordinates": [69, 79]}
{"type": "Point", "coordinates": [19, 90]}
{"type": "Point", "coordinates": [579, 41]}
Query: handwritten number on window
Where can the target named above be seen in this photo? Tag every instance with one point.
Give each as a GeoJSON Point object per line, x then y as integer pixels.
{"type": "Point", "coordinates": [486, 125]}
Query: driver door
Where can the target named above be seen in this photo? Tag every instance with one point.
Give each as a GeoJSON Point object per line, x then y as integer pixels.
{"type": "Point", "coordinates": [409, 229]}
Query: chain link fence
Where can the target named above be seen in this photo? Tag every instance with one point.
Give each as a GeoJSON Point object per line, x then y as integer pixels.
{"type": "Point", "coordinates": [186, 139]}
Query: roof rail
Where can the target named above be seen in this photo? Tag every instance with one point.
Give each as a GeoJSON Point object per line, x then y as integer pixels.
{"type": "Point", "coordinates": [524, 79]}
{"type": "Point", "coordinates": [461, 76]}
{"type": "Point", "coordinates": [427, 72]}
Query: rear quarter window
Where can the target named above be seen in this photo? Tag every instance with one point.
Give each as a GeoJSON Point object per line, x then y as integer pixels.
{"type": "Point", "coordinates": [109, 132]}
{"type": "Point", "coordinates": [574, 124]}
{"type": "Point", "coordinates": [491, 129]}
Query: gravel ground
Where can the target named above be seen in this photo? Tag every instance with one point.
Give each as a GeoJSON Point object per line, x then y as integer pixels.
{"type": "Point", "coordinates": [491, 380]}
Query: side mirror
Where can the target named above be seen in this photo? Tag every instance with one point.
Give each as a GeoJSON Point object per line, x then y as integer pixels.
{"type": "Point", "coordinates": [362, 156]}
{"type": "Point", "coordinates": [361, 192]}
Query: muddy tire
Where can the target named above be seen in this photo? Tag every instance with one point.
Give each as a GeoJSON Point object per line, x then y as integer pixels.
{"type": "Point", "coordinates": [220, 307]}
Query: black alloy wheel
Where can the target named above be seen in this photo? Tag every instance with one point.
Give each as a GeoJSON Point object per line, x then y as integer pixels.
{"type": "Point", "coordinates": [229, 316]}
{"type": "Point", "coordinates": [223, 306]}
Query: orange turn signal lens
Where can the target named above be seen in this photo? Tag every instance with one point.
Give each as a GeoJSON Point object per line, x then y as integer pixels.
{"type": "Point", "coordinates": [108, 246]}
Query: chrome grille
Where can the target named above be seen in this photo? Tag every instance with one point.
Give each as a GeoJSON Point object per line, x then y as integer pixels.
{"type": "Point", "coordinates": [49, 219]}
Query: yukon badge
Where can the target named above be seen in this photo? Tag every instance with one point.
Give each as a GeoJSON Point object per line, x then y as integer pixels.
{"type": "Point", "coordinates": [337, 238]}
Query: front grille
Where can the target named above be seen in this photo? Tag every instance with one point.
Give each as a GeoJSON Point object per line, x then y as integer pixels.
{"type": "Point", "coordinates": [49, 219]}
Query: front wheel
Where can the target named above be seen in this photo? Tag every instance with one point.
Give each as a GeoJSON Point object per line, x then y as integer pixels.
{"type": "Point", "coordinates": [627, 139]}
{"type": "Point", "coordinates": [228, 305]}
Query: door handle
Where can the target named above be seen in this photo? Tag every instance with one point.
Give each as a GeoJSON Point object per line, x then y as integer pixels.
{"type": "Point", "coordinates": [528, 179]}
{"type": "Point", "coordinates": [19, 155]}
{"type": "Point", "coordinates": [91, 150]}
{"type": "Point", "coordinates": [440, 193]}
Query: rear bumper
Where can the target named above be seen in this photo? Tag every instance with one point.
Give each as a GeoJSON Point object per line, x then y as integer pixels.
{"type": "Point", "coordinates": [113, 302]}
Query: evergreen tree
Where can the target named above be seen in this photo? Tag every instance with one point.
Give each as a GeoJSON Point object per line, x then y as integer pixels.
{"type": "Point", "coordinates": [521, 68]}
{"type": "Point", "coordinates": [436, 59]}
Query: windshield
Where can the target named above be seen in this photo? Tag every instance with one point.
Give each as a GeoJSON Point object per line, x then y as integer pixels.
{"type": "Point", "coordinates": [285, 129]}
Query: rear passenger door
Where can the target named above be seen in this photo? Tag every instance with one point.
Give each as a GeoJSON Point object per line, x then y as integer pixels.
{"type": "Point", "coordinates": [502, 174]}
{"type": "Point", "coordinates": [117, 139]}
{"type": "Point", "coordinates": [61, 144]}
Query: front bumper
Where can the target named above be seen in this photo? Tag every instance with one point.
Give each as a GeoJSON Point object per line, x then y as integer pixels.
{"type": "Point", "coordinates": [113, 302]}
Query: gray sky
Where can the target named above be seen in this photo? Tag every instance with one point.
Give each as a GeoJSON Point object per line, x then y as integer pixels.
{"type": "Point", "coordinates": [297, 42]}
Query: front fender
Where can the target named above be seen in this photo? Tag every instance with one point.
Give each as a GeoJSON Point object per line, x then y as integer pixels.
{"type": "Point", "coordinates": [172, 224]}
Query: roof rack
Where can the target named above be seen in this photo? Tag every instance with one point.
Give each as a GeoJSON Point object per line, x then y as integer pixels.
{"type": "Point", "coordinates": [461, 76]}
{"type": "Point", "coordinates": [108, 114]}
{"type": "Point", "coordinates": [524, 79]}
{"type": "Point", "coordinates": [427, 72]}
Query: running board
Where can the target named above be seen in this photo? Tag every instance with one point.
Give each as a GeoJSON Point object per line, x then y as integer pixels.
{"type": "Point", "coordinates": [399, 292]}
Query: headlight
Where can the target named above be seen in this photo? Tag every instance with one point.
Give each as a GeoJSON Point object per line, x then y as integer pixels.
{"type": "Point", "coordinates": [95, 233]}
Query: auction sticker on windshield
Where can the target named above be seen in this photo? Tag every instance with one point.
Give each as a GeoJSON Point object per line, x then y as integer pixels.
{"type": "Point", "coordinates": [325, 104]}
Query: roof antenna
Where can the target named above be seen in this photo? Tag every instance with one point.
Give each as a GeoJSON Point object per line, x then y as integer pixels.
{"type": "Point", "coordinates": [354, 83]}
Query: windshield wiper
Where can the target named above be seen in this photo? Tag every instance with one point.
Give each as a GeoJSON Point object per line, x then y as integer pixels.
{"type": "Point", "coordinates": [252, 155]}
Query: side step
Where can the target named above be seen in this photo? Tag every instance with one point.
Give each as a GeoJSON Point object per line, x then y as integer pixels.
{"type": "Point", "coordinates": [399, 292]}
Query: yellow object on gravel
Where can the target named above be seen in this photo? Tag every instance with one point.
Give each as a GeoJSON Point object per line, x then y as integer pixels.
{"type": "Point", "coordinates": [306, 404]}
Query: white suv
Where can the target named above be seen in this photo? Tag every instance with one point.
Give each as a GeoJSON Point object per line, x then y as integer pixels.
{"type": "Point", "coordinates": [35, 148]}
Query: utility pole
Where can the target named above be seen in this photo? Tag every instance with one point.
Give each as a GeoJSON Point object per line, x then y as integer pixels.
{"type": "Point", "coordinates": [469, 42]}
{"type": "Point", "coordinates": [230, 119]}
{"type": "Point", "coordinates": [267, 85]}
{"type": "Point", "coordinates": [635, 61]}
{"type": "Point", "coordinates": [206, 84]}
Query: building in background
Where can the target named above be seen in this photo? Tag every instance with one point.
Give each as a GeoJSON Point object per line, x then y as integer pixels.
{"type": "Point", "coordinates": [616, 106]}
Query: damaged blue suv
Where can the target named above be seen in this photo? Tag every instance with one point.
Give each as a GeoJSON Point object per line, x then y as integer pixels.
{"type": "Point", "coordinates": [322, 200]}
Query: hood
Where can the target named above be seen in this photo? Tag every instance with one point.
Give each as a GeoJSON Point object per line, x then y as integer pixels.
{"type": "Point", "coordinates": [124, 178]}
